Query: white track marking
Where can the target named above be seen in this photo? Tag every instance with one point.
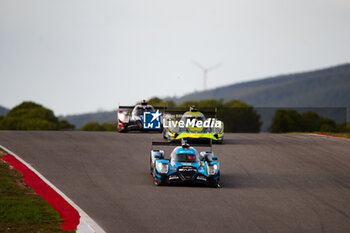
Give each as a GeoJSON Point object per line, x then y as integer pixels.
{"type": "Point", "coordinates": [86, 224]}
{"type": "Point", "coordinates": [325, 135]}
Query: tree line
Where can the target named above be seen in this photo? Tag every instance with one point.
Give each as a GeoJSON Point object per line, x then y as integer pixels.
{"type": "Point", "coordinates": [32, 116]}
{"type": "Point", "coordinates": [236, 115]}
{"type": "Point", "coordinates": [289, 120]}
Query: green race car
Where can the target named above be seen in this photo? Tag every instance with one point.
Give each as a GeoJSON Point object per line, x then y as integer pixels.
{"type": "Point", "coordinates": [192, 126]}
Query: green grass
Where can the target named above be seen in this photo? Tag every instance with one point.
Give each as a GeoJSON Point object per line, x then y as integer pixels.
{"type": "Point", "coordinates": [21, 209]}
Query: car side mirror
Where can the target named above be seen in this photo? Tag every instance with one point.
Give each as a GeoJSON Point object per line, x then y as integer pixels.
{"type": "Point", "coordinates": [215, 158]}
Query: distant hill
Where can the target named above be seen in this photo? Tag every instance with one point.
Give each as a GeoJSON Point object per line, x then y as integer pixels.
{"type": "Point", "coordinates": [3, 111]}
{"type": "Point", "coordinates": [313, 90]}
{"type": "Point", "coordinates": [321, 88]}
{"type": "Point", "coordinates": [81, 119]}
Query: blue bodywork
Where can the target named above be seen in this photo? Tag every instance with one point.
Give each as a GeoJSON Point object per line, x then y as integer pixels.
{"type": "Point", "coordinates": [185, 165]}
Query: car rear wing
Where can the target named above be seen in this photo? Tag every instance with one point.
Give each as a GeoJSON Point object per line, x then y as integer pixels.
{"type": "Point", "coordinates": [214, 112]}
{"type": "Point", "coordinates": [183, 143]}
{"type": "Point", "coordinates": [126, 107]}
{"type": "Point", "coordinates": [132, 107]}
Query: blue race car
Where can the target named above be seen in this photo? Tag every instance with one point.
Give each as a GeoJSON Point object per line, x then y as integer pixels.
{"type": "Point", "coordinates": [185, 165]}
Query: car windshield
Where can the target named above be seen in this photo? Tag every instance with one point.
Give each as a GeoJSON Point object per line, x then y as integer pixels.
{"type": "Point", "coordinates": [191, 118]}
{"type": "Point", "coordinates": [186, 158]}
{"type": "Point", "coordinates": [140, 110]}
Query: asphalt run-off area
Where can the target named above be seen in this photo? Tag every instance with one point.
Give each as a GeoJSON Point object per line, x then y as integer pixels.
{"type": "Point", "coordinates": [270, 182]}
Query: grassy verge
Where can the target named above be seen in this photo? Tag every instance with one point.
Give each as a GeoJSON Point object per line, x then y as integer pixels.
{"type": "Point", "coordinates": [21, 209]}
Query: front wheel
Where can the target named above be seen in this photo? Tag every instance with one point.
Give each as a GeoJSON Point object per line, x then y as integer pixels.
{"type": "Point", "coordinates": [218, 141]}
{"type": "Point", "coordinates": [150, 166]}
{"type": "Point", "coordinates": [125, 130]}
{"type": "Point", "coordinates": [158, 182]}
{"type": "Point", "coordinates": [215, 185]}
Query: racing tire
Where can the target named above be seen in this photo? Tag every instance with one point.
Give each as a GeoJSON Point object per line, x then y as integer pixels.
{"type": "Point", "coordinates": [218, 142]}
{"type": "Point", "coordinates": [158, 182]}
{"type": "Point", "coordinates": [125, 130]}
{"type": "Point", "coordinates": [215, 185]}
{"type": "Point", "coordinates": [150, 166]}
{"type": "Point", "coordinates": [139, 124]}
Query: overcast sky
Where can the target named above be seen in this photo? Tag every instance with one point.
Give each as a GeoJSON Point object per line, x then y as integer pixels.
{"type": "Point", "coordinates": [76, 56]}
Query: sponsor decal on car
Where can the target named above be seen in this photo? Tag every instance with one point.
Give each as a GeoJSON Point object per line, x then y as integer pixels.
{"type": "Point", "coordinates": [151, 120]}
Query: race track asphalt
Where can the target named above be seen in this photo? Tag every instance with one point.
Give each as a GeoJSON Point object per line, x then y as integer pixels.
{"type": "Point", "coordinates": [270, 182]}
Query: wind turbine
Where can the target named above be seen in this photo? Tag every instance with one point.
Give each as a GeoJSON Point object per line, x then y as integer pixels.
{"type": "Point", "coordinates": [205, 71]}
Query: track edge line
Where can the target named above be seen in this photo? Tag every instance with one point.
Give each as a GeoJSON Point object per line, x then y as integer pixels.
{"type": "Point", "coordinates": [86, 223]}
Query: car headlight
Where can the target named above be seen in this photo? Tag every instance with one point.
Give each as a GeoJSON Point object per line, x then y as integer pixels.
{"type": "Point", "coordinates": [212, 169]}
{"type": "Point", "coordinates": [172, 126]}
{"type": "Point", "coordinates": [163, 168]}
{"type": "Point", "coordinates": [218, 129]}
